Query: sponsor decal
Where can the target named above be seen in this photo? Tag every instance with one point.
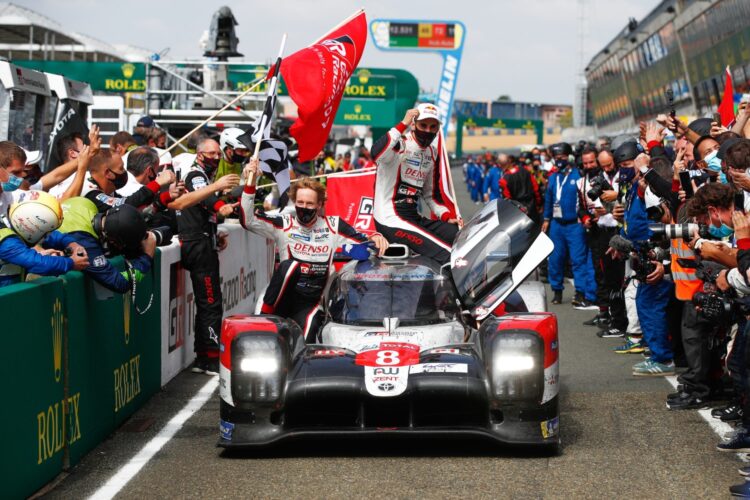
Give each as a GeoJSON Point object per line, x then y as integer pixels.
{"type": "Point", "coordinates": [414, 161]}
{"type": "Point", "coordinates": [415, 173]}
{"type": "Point", "coordinates": [180, 307]}
{"type": "Point", "coordinates": [301, 237]}
{"type": "Point", "coordinates": [305, 248]}
{"type": "Point", "coordinates": [363, 222]}
{"type": "Point", "coordinates": [439, 368]}
{"type": "Point", "coordinates": [304, 268]}
{"type": "Point", "coordinates": [58, 319]}
{"type": "Point", "coordinates": [550, 428]}
{"type": "Point", "coordinates": [460, 263]}
{"type": "Point", "coordinates": [99, 261]}
{"type": "Point", "coordinates": [443, 350]}
{"type": "Point", "coordinates": [127, 378]}
{"type": "Point", "coordinates": [56, 425]}
{"type": "Point", "coordinates": [225, 430]}
{"type": "Point", "coordinates": [386, 387]}
{"type": "Point", "coordinates": [481, 311]}
{"type": "Point", "coordinates": [237, 288]}
{"type": "Point", "coordinates": [199, 182]}
{"type": "Point", "coordinates": [553, 345]}
{"type": "Point", "coordinates": [327, 353]}
{"type": "Point", "coordinates": [108, 200]}
{"type": "Point", "coordinates": [409, 237]}
{"type": "Point", "coordinates": [389, 354]}
{"type": "Point", "coordinates": [386, 381]}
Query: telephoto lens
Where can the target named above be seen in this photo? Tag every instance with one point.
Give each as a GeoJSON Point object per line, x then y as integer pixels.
{"type": "Point", "coordinates": [675, 231]}
{"type": "Point", "coordinates": [163, 235]}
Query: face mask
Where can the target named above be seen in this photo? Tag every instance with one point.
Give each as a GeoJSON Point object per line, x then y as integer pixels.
{"type": "Point", "coordinates": [210, 164]}
{"type": "Point", "coordinates": [561, 164]}
{"type": "Point", "coordinates": [306, 215]}
{"type": "Point", "coordinates": [424, 138]}
{"type": "Point", "coordinates": [626, 175]}
{"type": "Point", "coordinates": [543, 158]}
{"type": "Point", "coordinates": [713, 163]}
{"type": "Point", "coordinates": [120, 180]}
{"type": "Point", "coordinates": [235, 158]}
{"type": "Point", "coordinates": [13, 183]}
{"type": "Point", "coordinates": [720, 232]}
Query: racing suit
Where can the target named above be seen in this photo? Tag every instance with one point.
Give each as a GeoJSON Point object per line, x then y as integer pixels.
{"type": "Point", "coordinates": [139, 199]}
{"type": "Point", "coordinates": [305, 255]}
{"type": "Point", "coordinates": [406, 173]}
{"type": "Point", "coordinates": [16, 258]}
{"type": "Point", "coordinates": [199, 255]}
{"type": "Point", "coordinates": [491, 185]}
{"type": "Point", "coordinates": [519, 185]}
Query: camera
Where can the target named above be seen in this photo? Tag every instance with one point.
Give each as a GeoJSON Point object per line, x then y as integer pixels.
{"type": "Point", "coordinates": [680, 231]}
{"type": "Point", "coordinates": [642, 260]}
{"type": "Point", "coordinates": [598, 186]}
{"type": "Point", "coordinates": [713, 305]}
{"type": "Point", "coordinates": [163, 235]}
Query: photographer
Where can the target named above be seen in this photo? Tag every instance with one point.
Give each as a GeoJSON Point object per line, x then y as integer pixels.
{"type": "Point", "coordinates": [653, 293]}
{"type": "Point", "coordinates": [118, 231]}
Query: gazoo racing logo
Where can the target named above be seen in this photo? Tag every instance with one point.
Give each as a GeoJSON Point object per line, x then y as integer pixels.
{"type": "Point", "coordinates": [364, 214]}
{"type": "Point", "coordinates": [343, 52]}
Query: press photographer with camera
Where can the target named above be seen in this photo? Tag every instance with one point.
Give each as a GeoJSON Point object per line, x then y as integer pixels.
{"type": "Point", "coordinates": [653, 293]}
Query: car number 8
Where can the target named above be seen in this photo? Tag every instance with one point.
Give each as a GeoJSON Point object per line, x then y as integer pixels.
{"type": "Point", "coordinates": [387, 358]}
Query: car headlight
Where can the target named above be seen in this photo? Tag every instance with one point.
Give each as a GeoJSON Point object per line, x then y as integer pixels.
{"type": "Point", "coordinates": [259, 363]}
{"type": "Point", "coordinates": [516, 367]}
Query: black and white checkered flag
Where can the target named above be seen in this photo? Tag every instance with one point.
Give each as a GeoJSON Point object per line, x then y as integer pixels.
{"type": "Point", "coordinates": [274, 160]}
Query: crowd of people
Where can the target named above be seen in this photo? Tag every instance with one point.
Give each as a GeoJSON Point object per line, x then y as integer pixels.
{"type": "Point", "coordinates": [656, 231]}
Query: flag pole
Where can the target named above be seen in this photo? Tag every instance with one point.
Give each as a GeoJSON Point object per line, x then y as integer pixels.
{"type": "Point", "coordinates": [254, 85]}
{"type": "Point", "coordinates": [332, 174]}
{"type": "Point", "coordinates": [271, 91]}
{"type": "Point", "coordinates": [360, 11]}
{"type": "Point", "coordinates": [444, 157]}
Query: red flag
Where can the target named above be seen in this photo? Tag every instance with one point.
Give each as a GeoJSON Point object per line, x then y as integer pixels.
{"type": "Point", "coordinates": [351, 197]}
{"type": "Point", "coordinates": [726, 108]}
{"type": "Point", "coordinates": [316, 77]}
{"type": "Point", "coordinates": [442, 191]}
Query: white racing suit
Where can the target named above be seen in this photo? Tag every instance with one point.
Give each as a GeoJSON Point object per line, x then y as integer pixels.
{"type": "Point", "coordinates": [406, 174]}
{"type": "Point", "coordinates": [305, 255]}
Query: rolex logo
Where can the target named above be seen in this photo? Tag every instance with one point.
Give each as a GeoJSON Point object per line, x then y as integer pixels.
{"type": "Point", "coordinates": [128, 70]}
{"type": "Point", "coordinates": [57, 337]}
{"type": "Point", "coordinates": [126, 301]}
{"type": "Point", "coordinates": [357, 108]}
{"type": "Point", "coordinates": [364, 76]}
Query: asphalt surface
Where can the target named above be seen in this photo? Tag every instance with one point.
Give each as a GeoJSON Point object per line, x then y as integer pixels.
{"type": "Point", "coordinates": [618, 441]}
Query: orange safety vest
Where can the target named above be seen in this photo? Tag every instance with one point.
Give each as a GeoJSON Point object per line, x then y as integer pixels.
{"type": "Point", "coordinates": [685, 281]}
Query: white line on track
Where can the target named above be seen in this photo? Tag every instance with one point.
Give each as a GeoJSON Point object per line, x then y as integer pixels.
{"type": "Point", "coordinates": [723, 429]}
{"type": "Point", "coordinates": [129, 470]}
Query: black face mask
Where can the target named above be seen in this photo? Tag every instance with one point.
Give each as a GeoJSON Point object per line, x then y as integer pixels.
{"type": "Point", "coordinates": [120, 180]}
{"type": "Point", "coordinates": [424, 138]}
{"type": "Point", "coordinates": [210, 164]}
{"type": "Point", "coordinates": [306, 215]}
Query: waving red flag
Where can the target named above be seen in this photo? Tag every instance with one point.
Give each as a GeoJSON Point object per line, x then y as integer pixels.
{"type": "Point", "coordinates": [316, 77]}
{"type": "Point", "coordinates": [726, 108]}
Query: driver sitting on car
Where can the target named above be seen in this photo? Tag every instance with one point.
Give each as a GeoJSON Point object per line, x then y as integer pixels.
{"type": "Point", "coordinates": [306, 243]}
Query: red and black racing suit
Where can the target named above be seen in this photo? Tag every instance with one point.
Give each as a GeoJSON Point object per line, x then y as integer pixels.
{"type": "Point", "coordinates": [519, 184]}
{"type": "Point", "coordinates": [406, 173]}
{"type": "Point", "coordinates": [305, 255]}
{"type": "Point", "coordinates": [199, 255]}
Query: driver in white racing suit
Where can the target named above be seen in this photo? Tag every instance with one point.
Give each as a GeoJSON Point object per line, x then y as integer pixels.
{"type": "Point", "coordinates": [407, 167]}
{"type": "Point", "coordinates": [306, 243]}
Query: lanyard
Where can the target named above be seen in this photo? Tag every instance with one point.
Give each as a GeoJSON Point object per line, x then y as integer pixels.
{"type": "Point", "coordinates": [558, 194]}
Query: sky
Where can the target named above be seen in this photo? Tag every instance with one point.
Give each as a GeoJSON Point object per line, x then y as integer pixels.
{"type": "Point", "coordinates": [527, 49]}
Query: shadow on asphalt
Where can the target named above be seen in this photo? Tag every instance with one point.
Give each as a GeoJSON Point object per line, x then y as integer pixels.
{"type": "Point", "coordinates": [386, 446]}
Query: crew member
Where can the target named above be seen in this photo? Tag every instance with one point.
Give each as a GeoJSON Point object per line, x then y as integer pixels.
{"type": "Point", "coordinates": [519, 185]}
{"type": "Point", "coordinates": [200, 244]}
{"type": "Point", "coordinates": [306, 242]}
{"type": "Point", "coordinates": [234, 154]}
{"type": "Point", "coordinates": [407, 169]}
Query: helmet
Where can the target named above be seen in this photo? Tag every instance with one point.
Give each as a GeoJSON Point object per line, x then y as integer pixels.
{"type": "Point", "coordinates": [427, 110]}
{"type": "Point", "coordinates": [561, 148]}
{"type": "Point", "coordinates": [124, 228]}
{"type": "Point", "coordinates": [34, 215]}
{"type": "Point", "coordinates": [230, 137]}
{"type": "Point", "coordinates": [626, 151]}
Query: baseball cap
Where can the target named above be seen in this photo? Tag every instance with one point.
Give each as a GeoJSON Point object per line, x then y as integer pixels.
{"type": "Point", "coordinates": [427, 110]}
{"type": "Point", "coordinates": [32, 157]}
{"type": "Point", "coordinates": [145, 121]}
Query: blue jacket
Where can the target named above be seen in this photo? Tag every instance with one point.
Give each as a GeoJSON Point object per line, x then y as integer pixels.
{"type": "Point", "coordinates": [492, 182]}
{"type": "Point", "coordinates": [636, 219]}
{"type": "Point", "coordinates": [101, 269]}
{"type": "Point", "coordinates": [13, 250]}
{"type": "Point", "coordinates": [472, 175]}
{"type": "Point", "coordinates": [569, 196]}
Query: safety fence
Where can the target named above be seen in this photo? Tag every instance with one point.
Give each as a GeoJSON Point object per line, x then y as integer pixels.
{"type": "Point", "coordinates": [80, 360]}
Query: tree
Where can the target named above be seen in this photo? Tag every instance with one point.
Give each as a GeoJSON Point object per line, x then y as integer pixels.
{"type": "Point", "coordinates": [504, 98]}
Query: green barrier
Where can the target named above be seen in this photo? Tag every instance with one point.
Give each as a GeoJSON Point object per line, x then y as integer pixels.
{"type": "Point", "coordinates": [82, 361]}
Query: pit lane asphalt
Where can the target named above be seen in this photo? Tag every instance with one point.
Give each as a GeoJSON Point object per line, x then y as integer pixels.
{"type": "Point", "coordinates": [618, 441]}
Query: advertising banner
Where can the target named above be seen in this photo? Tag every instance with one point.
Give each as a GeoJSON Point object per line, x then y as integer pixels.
{"type": "Point", "coordinates": [245, 270]}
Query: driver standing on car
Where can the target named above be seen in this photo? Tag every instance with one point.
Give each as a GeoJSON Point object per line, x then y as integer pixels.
{"type": "Point", "coordinates": [306, 242]}
{"type": "Point", "coordinates": [407, 165]}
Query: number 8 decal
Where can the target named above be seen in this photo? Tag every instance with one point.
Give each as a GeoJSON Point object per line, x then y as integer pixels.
{"type": "Point", "coordinates": [387, 358]}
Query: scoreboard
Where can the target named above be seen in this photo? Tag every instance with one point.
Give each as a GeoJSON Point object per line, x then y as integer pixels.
{"type": "Point", "coordinates": [417, 35]}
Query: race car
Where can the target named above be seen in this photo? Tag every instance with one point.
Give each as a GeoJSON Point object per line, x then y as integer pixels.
{"type": "Point", "coordinates": [409, 347]}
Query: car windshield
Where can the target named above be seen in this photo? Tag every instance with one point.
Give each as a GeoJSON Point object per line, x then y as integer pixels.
{"type": "Point", "coordinates": [414, 296]}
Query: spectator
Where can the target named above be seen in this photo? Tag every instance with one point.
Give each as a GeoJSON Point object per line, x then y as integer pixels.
{"type": "Point", "coordinates": [143, 130]}
{"type": "Point", "coordinates": [121, 143]}
{"type": "Point", "coordinates": [157, 138]}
